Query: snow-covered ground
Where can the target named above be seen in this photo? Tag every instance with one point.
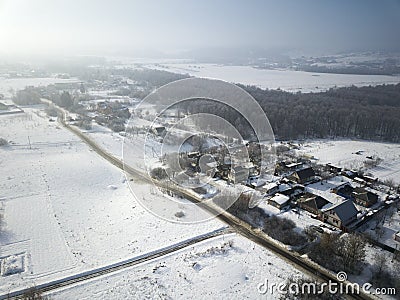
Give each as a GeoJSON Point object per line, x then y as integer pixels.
{"type": "Point", "coordinates": [66, 209]}
{"type": "Point", "coordinates": [384, 227]}
{"type": "Point", "coordinates": [7, 84]}
{"type": "Point", "coordinates": [287, 80]}
{"type": "Point", "coordinates": [391, 266]}
{"type": "Point", "coordinates": [229, 267]}
{"type": "Point", "coordinates": [342, 153]}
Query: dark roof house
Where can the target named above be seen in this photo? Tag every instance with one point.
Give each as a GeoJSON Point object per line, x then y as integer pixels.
{"type": "Point", "coordinates": [344, 190]}
{"type": "Point", "coordinates": [303, 175]}
{"type": "Point", "coordinates": [312, 203]}
{"type": "Point", "coordinates": [363, 197]}
{"type": "Point", "coordinates": [341, 214]}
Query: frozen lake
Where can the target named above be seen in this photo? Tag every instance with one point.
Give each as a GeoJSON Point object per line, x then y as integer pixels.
{"type": "Point", "coordinates": [287, 80]}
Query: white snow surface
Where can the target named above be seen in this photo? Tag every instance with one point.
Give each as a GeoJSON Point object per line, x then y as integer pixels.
{"type": "Point", "coordinates": [69, 210]}
{"type": "Point", "coordinates": [287, 80]}
{"type": "Point", "coordinates": [209, 270]}
{"type": "Point", "coordinates": [342, 153]}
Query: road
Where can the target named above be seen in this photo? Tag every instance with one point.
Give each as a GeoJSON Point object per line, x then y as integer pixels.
{"type": "Point", "coordinates": [74, 279]}
{"type": "Point", "coordinates": [235, 223]}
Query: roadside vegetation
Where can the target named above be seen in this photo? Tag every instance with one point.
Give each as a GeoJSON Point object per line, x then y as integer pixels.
{"type": "Point", "coordinates": [3, 142]}
{"type": "Point", "coordinates": [27, 96]}
{"type": "Point", "coordinates": [34, 294]}
{"type": "Point", "coordinates": [339, 252]}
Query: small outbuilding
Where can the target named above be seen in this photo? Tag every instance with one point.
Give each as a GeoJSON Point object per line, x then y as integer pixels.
{"type": "Point", "coordinates": [279, 200]}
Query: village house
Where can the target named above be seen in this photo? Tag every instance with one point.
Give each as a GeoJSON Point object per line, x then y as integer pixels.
{"type": "Point", "coordinates": [345, 190]}
{"type": "Point", "coordinates": [279, 201]}
{"type": "Point", "coordinates": [285, 167]}
{"type": "Point", "coordinates": [363, 197]}
{"type": "Point", "coordinates": [159, 130]}
{"type": "Point", "coordinates": [332, 169]}
{"type": "Point", "coordinates": [269, 188]}
{"type": "Point", "coordinates": [396, 236]}
{"type": "Point", "coordinates": [312, 203]}
{"type": "Point", "coordinates": [224, 166]}
{"type": "Point", "coordinates": [256, 183]}
{"type": "Point", "coordinates": [238, 174]}
{"type": "Point", "coordinates": [290, 189]}
{"type": "Point", "coordinates": [341, 214]}
{"type": "Point", "coordinates": [370, 179]}
{"type": "Point", "coordinates": [303, 176]}
{"type": "Point", "coordinates": [293, 166]}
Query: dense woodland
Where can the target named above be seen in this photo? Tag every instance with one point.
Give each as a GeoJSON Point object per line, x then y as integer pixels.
{"type": "Point", "coordinates": [367, 113]}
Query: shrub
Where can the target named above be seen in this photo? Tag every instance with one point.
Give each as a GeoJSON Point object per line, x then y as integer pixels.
{"type": "Point", "coordinates": [34, 294]}
{"type": "Point", "coordinates": [158, 173]}
{"type": "Point", "coordinates": [51, 111]}
{"type": "Point", "coordinates": [3, 142]}
{"type": "Point", "coordinates": [84, 125]}
{"type": "Point", "coordinates": [179, 214]}
{"type": "Point", "coordinates": [27, 96]}
{"type": "Point", "coordinates": [283, 230]}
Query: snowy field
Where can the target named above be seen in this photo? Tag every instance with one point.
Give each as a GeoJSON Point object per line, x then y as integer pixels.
{"type": "Point", "coordinates": [66, 209]}
{"type": "Point", "coordinates": [342, 153]}
{"type": "Point", "coordinates": [287, 80]}
{"type": "Point", "coordinates": [228, 267]}
{"type": "Point", "coordinates": [386, 228]}
{"type": "Point", "coordinates": [7, 84]}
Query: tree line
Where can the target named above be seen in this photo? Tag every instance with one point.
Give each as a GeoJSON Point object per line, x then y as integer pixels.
{"type": "Point", "coordinates": [371, 113]}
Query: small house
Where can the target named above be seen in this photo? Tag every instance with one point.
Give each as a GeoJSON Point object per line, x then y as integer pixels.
{"type": "Point", "coordinates": [290, 189]}
{"type": "Point", "coordinates": [396, 236]}
{"type": "Point", "coordinates": [293, 166]}
{"type": "Point", "coordinates": [304, 175]}
{"type": "Point", "coordinates": [370, 179]}
{"type": "Point", "coordinates": [279, 201]}
{"type": "Point", "coordinates": [360, 181]}
{"type": "Point", "coordinates": [312, 203]}
{"type": "Point", "coordinates": [269, 188]}
{"type": "Point", "coordinates": [159, 131]}
{"type": "Point", "coordinates": [341, 214]}
{"type": "Point", "coordinates": [363, 197]}
{"type": "Point", "coordinates": [345, 190]}
{"type": "Point", "coordinates": [332, 169]}
{"type": "Point", "coordinates": [238, 174]}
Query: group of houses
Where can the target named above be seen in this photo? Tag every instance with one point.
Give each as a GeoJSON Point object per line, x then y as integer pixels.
{"type": "Point", "coordinates": [339, 215]}
{"type": "Point", "coordinates": [111, 114]}
{"type": "Point", "coordinates": [341, 202]}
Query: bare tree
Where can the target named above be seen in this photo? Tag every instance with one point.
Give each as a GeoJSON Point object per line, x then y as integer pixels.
{"type": "Point", "coordinates": [380, 264]}
{"type": "Point", "coordinates": [352, 251]}
{"type": "Point", "coordinates": [34, 294]}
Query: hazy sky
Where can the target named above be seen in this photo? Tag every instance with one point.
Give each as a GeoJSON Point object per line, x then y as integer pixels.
{"type": "Point", "coordinates": [118, 26]}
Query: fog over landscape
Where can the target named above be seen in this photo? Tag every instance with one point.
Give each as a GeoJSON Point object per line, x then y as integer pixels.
{"type": "Point", "coordinates": [199, 149]}
{"type": "Point", "coordinates": [154, 28]}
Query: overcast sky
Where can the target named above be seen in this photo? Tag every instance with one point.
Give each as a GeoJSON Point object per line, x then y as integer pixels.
{"type": "Point", "coordinates": [123, 26]}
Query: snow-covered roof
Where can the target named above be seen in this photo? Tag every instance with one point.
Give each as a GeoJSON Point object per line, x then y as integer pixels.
{"type": "Point", "coordinates": [280, 199]}
{"type": "Point", "coordinates": [271, 185]}
{"type": "Point", "coordinates": [344, 210]}
{"type": "Point", "coordinates": [284, 187]}
{"type": "Point", "coordinates": [292, 165]}
{"type": "Point", "coordinates": [258, 183]}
